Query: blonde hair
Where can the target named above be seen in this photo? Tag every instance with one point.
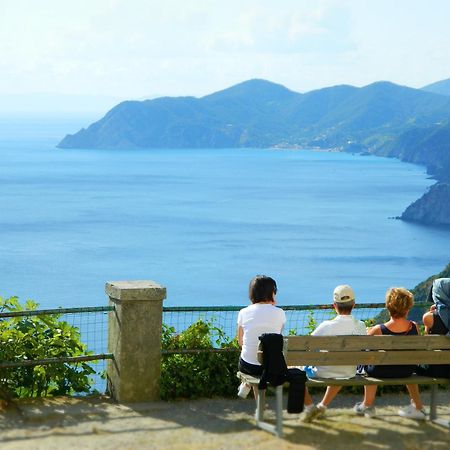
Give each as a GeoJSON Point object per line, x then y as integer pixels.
{"type": "Point", "coordinates": [399, 301]}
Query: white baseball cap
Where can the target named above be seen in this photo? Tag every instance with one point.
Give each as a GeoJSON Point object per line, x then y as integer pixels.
{"type": "Point", "coordinates": [343, 294]}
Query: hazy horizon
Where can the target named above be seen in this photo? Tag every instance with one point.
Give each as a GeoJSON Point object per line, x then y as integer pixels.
{"type": "Point", "coordinates": [80, 105]}
{"type": "Point", "coordinates": [143, 49]}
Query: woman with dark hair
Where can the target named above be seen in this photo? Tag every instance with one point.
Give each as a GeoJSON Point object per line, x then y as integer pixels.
{"type": "Point", "coordinates": [262, 316]}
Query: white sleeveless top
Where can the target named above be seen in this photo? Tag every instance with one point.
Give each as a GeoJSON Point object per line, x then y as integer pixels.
{"type": "Point", "coordinates": [255, 320]}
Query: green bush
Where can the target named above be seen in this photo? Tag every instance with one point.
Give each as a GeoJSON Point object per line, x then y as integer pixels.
{"type": "Point", "coordinates": [205, 374]}
{"type": "Point", "coordinates": [40, 337]}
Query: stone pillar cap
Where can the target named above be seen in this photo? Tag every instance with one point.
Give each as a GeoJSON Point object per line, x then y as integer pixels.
{"type": "Point", "coordinates": [135, 290]}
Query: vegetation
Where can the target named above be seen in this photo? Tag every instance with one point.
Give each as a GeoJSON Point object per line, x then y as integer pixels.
{"type": "Point", "coordinates": [205, 374]}
{"type": "Point", "coordinates": [38, 337]}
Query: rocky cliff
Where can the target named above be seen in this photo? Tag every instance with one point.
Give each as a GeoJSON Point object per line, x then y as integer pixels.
{"type": "Point", "coordinates": [433, 208]}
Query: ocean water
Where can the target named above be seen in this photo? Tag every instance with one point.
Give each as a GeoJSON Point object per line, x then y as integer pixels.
{"type": "Point", "coordinates": [203, 222]}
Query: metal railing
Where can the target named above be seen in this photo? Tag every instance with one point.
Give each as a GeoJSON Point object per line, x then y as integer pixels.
{"type": "Point", "coordinates": [92, 325]}
{"type": "Point", "coordinates": [300, 319]}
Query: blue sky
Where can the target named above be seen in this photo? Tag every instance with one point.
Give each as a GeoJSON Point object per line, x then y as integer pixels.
{"type": "Point", "coordinates": [141, 48]}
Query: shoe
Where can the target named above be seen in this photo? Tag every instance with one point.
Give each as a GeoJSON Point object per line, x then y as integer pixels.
{"type": "Point", "coordinates": [244, 390]}
{"type": "Point", "coordinates": [362, 410]}
{"type": "Point", "coordinates": [313, 412]}
{"type": "Point", "coordinates": [411, 412]}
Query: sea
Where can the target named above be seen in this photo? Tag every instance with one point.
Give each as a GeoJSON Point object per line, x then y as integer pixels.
{"type": "Point", "coordinates": [203, 222]}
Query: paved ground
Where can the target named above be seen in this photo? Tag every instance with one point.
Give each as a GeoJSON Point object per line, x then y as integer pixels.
{"type": "Point", "coordinates": [98, 423]}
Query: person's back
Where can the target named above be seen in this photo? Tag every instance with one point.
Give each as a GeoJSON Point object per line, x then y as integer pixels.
{"type": "Point", "coordinates": [401, 327]}
{"type": "Point", "coordinates": [439, 314]}
{"type": "Point", "coordinates": [255, 320]}
{"type": "Point", "coordinates": [399, 302]}
{"type": "Point", "coordinates": [262, 316]}
{"type": "Point", "coordinates": [343, 324]}
{"type": "Point", "coordinates": [434, 324]}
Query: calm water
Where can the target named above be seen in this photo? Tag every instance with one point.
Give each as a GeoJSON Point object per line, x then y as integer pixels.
{"type": "Point", "coordinates": [203, 222]}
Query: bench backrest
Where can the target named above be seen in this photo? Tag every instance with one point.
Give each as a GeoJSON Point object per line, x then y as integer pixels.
{"type": "Point", "coordinates": [353, 350]}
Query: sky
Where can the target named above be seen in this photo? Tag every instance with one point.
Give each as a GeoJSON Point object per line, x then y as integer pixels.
{"type": "Point", "coordinates": [136, 49]}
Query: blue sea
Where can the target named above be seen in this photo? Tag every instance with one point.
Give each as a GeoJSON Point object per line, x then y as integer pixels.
{"type": "Point", "coordinates": [203, 222]}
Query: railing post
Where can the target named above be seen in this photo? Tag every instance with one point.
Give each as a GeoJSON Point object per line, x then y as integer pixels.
{"type": "Point", "coordinates": [134, 337]}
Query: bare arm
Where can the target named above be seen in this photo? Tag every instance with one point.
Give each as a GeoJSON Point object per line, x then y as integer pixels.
{"type": "Point", "coordinates": [428, 320]}
{"type": "Point", "coordinates": [374, 331]}
{"type": "Point", "coordinates": [240, 335]}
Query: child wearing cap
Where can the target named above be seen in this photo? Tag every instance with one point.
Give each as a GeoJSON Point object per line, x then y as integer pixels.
{"type": "Point", "coordinates": [399, 301]}
{"type": "Point", "coordinates": [343, 324]}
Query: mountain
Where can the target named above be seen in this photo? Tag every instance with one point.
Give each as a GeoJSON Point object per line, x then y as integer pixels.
{"type": "Point", "coordinates": [440, 87]}
{"type": "Point", "coordinates": [258, 113]}
{"type": "Point", "coordinates": [428, 145]}
{"type": "Point", "coordinates": [247, 114]}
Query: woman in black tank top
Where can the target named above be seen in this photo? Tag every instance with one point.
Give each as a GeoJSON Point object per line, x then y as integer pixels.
{"type": "Point", "coordinates": [394, 371]}
{"type": "Point", "coordinates": [399, 301]}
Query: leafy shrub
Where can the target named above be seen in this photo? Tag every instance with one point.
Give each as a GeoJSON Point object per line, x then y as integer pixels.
{"type": "Point", "coordinates": [40, 337]}
{"type": "Point", "coordinates": [204, 374]}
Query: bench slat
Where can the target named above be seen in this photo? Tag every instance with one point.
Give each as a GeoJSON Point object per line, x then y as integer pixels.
{"type": "Point", "coordinates": [304, 358]}
{"type": "Point", "coordinates": [361, 381]}
{"type": "Point", "coordinates": [353, 343]}
{"type": "Point", "coordinates": [358, 380]}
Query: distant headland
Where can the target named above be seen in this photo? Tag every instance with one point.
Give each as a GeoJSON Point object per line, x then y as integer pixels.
{"type": "Point", "coordinates": [382, 118]}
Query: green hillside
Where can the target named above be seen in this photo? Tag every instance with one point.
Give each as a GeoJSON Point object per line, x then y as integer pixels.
{"type": "Point", "coordinates": [258, 113]}
{"type": "Point", "coordinates": [421, 290]}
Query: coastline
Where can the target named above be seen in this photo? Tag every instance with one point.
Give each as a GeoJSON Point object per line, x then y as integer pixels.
{"type": "Point", "coordinates": [419, 211]}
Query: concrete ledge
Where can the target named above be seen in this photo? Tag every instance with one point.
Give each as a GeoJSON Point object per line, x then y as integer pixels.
{"type": "Point", "coordinates": [140, 290]}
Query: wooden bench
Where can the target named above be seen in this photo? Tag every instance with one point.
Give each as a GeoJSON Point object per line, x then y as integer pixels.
{"type": "Point", "coordinates": [354, 350]}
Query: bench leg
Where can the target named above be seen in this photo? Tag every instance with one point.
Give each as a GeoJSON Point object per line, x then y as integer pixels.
{"type": "Point", "coordinates": [433, 409]}
{"type": "Point", "coordinates": [433, 412]}
{"type": "Point", "coordinates": [279, 410]}
{"type": "Point", "coordinates": [260, 400]}
{"type": "Point", "coordinates": [276, 429]}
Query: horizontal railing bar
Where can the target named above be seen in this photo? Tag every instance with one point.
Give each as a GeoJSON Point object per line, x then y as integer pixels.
{"type": "Point", "coordinates": [284, 307]}
{"type": "Point", "coordinates": [93, 309]}
{"type": "Point", "coordinates": [199, 350]}
{"type": "Point", "coordinates": [42, 312]}
{"type": "Point", "coordinates": [45, 361]}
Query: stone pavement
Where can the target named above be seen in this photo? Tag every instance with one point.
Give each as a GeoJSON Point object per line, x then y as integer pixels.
{"type": "Point", "coordinates": [99, 423]}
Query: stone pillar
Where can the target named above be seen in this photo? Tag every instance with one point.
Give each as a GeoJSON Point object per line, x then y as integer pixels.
{"type": "Point", "coordinates": [134, 337]}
